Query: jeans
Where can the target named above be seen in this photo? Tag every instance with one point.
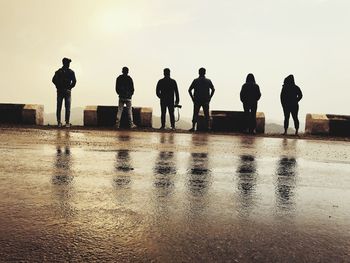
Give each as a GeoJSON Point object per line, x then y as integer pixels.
{"type": "Point", "coordinates": [163, 107]}
{"type": "Point", "coordinates": [250, 115]}
{"type": "Point", "coordinates": [127, 103]}
{"type": "Point", "coordinates": [196, 108]}
{"type": "Point", "coordinates": [66, 96]}
{"type": "Point", "coordinates": [291, 109]}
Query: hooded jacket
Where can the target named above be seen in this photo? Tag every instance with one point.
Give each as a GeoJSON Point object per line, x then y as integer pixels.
{"type": "Point", "coordinates": [250, 92]}
{"type": "Point", "coordinates": [291, 93]}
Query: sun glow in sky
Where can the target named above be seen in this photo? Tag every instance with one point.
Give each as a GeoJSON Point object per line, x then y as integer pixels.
{"type": "Point", "coordinates": [272, 38]}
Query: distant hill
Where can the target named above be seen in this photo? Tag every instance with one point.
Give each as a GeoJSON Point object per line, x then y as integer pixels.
{"type": "Point", "coordinates": [76, 117]}
{"type": "Point", "coordinates": [183, 124]}
{"type": "Point", "coordinates": [274, 128]}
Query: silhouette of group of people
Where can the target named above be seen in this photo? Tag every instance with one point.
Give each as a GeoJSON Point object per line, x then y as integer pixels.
{"type": "Point", "coordinates": [201, 92]}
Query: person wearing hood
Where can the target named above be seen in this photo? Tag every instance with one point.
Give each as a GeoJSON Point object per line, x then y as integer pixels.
{"type": "Point", "coordinates": [290, 97]}
{"type": "Point", "coordinates": [250, 94]}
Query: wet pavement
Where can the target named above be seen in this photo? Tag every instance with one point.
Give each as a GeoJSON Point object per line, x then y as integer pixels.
{"type": "Point", "coordinates": [107, 196]}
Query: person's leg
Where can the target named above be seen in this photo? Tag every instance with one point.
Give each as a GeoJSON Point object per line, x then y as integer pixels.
{"type": "Point", "coordinates": [246, 117]}
{"type": "Point", "coordinates": [172, 116]}
{"type": "Point", "coordinates": [295, 111]}
{"type": "Point", "coordinates": [253, 110]}
{"type": "Point", "coordinates": [163, 114]}
{"type": "Point", "coordinates": [196, 107]}
{"type": "Point", "coordinates": [119, 113]}
{"type": "Point", "coordinates": [206, 114]}
{"type": "Point", "coordinates": [286, 111]}
{"type": "Point", "coordinates": [59, 107]}
{"type": "Point", "coordinates": [67, 105]}
{"type": "Point", "coordinates": [130, 118]}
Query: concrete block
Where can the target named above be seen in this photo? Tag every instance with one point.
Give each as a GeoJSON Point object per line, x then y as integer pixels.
{"type": "Point", "coordinates": [202, 122]}
{"type": "Point", "coordinates": [105, 116]}
{"type": "Point", "coordinates": [235, 121]}
{"type": "Point", "coordinates": [316, 124]}
{"type": "Point", "coordinates": [327, 124]}
{"type": "Point", "coordinates": [27, 114]}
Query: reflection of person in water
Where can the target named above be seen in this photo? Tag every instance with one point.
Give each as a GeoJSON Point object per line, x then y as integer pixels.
{"type": "Point", "coordinates": [164, 170]}
{"type": "Point", "coordinates": [199, 172]}
{"type": "Point", "coordinates": [63, 160]}
{"type": "Point", "coordinates": [62, 177]}
{"type": "Point", "coordinates": [247, 176]}
{"type": "Point", "coordinates": [123, 167]}
{"type": "Point", "coordinates": [286, 177]}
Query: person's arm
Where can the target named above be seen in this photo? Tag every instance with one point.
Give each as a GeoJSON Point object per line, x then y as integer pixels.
{"type": "Point", "coordinates": [241, 94]}
{"type": "Point", "coordinates": [132, 90]}
{"type": "Point", "coordinates": [73, 80]}
{"type": "Point", "coordinates": [54, 79]}
{"type": "Point", "coordinates": [282, 96]}
{"type": "Point", "coordinates": [177, 97]}
{"type": "Point", "coordinates": [258, 93]}
{"type": "Point", "coordinates": [190, 90]}
{"type": "Point", "coordinates": [158, 90]}
{"type": "Point", "coordinates": [117, 85]}
{"type": "Point", "coordinates": [299, 93]}
{"type": "Point", "coordinates": [212, 89]}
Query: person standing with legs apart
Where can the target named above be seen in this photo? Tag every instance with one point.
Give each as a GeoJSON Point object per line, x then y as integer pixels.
{"type": "Point", "coordinates": [290, 97]}
{"type": "Point", "coordinates": [125, 89]}
{"type": "Point", "coordinates": [203, 92]}
{"type": "Point", "coordinates": [64, 80]}
{"type": "Point", "coordinates": [250, 94]}
{"type": "Point", "coordinates": [166, 89]}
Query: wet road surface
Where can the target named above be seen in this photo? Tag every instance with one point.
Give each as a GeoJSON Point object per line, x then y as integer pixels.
{"type": "Point", "coordinates": [107, 196]}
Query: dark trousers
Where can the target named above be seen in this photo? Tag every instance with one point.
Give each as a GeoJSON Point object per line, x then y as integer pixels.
{"type": "Point", "coordinates": [196, 108]}
{"type": "Point", "coordinates": [163, 106]}
{"type": "Point", "coordinates": [291, 109]}
{"type": "Point", "coordinates": [66, 96]}
{"type": "Point", "coordinates": [250, 115]}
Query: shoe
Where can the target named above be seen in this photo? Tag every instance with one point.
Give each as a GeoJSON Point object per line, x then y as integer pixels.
{"type": "Point", "coordinates": [162, 128]}
{"type": "Point", "coordinates": [191, 130]}
{"type": "Point", "coordinates": [59, 124]}
{"type": "Point", "coordinates": [173, 128]}
{"type": "Point", "coordinates": [133, 126]}
{"type": "Point", "coordinates": [68, 125]}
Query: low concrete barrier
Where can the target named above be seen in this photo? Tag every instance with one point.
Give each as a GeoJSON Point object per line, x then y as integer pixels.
{"type": "Point", "coordinates": [106, 116]}
{"type": "Point", "coordinates": [230, 121]}
{"type": "Point", "coordinates": [327, 124]}
{"type": "Point", "coordinates": [28, 114]}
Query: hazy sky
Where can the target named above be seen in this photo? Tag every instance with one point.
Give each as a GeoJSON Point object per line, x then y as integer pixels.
{"type": "Point", "coordinates": [270, 38]}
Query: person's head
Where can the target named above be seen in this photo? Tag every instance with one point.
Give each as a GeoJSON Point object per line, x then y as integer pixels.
{"type": "Point", "coordinates": [125, 70]}
{"type": "Point", "coordinates": [166, 72]}
{"type": "Point", "coordinates": [66, 62]}
{"type": "Point", "coordinates": [250, 78]}
{"type": "Point", "coordinates": [289, 80]}
{"type": "Point", "coordinates": [202, 72]}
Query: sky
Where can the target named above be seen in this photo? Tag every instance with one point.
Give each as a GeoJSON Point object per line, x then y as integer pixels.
{"type": "Point", "coordinates": [269, 38]}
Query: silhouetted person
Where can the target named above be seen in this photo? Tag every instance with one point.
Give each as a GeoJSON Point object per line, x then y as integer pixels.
{"type": "Point", "coordinates": [203, 92]}
{"type": "Point", "coordinates": [168, 92]}
{"type": "Point", "coordinates": [250, 94]}
{"type": "Point", "coordinates": [64, 80]}
{"type": "Point", "coordinates": [125, 89]}
{"type": "Point", "coordinates": [290, 97]}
